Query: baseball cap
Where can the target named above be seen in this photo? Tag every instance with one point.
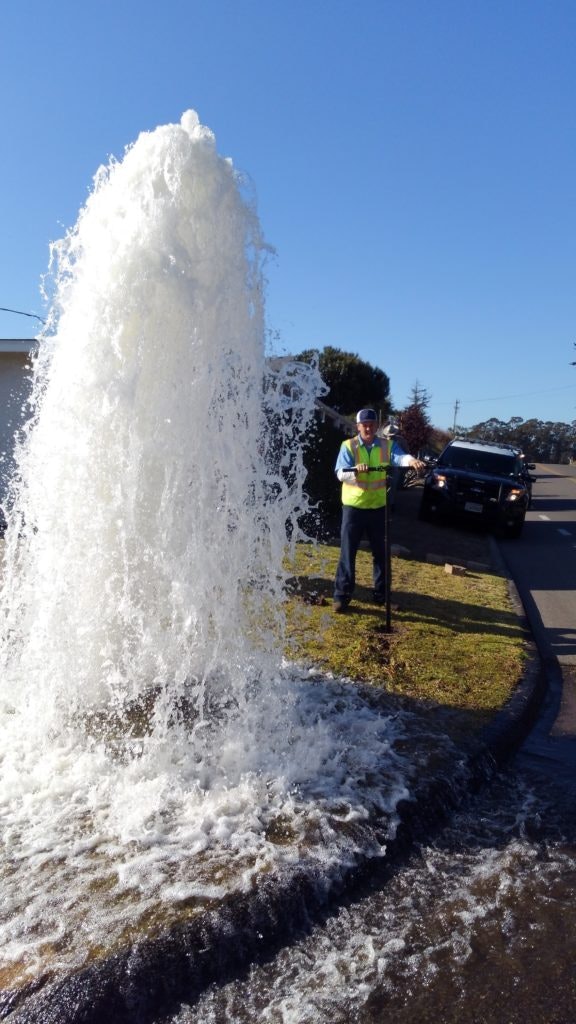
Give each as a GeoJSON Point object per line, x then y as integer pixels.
{"type": "Point", "coordinates": [366, 416]}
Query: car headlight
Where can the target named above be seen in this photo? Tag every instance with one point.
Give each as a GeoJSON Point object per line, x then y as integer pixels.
{"type": "Point", "coordinates": [516, 493]}
{"type": "Point", "coordinates": [439, 480]}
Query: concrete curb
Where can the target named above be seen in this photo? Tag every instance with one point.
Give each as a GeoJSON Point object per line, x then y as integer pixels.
{"type": "Point", "coordinates": [513, 722]}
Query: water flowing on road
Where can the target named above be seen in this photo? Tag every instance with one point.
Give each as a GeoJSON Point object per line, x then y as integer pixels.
{"type": "Point", "coordinates": [477, 928]}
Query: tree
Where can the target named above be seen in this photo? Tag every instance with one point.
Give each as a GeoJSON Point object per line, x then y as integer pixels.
{"type": "Point", "coordinates": [420, 396]}
{"type": "Point", "coordinates": [415, 428]}
{"type": "Point", "coordinates": [352, 383]}
{"type": "Point", "coordinates": [439, 439]}
{"type": "Point", "coordinates": [492, 430]}
{"type": "Point", "coordinates": [414, 422]}
{"type": "Point", "coordinates": [540, 442]}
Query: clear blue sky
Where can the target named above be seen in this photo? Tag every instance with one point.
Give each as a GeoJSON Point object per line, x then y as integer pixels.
{"type": "Point", "coordinates": [414, 163]}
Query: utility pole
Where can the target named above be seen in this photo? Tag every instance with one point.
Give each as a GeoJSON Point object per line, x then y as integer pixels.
{"type": "Point", "coordinates": [456, 407]}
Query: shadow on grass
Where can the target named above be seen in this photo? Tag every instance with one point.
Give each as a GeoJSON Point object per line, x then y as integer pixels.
{"type": "Point", "coordinates": [458, 616]}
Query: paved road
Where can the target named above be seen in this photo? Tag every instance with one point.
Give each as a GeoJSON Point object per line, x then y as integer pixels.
{"type": "Point", "coordinates": [543, 565]}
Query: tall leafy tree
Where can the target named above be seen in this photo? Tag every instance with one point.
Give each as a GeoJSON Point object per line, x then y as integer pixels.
{"type": "Point", "coordinates": [352, 383]}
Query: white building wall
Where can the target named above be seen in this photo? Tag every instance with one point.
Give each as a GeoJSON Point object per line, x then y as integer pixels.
{"type": "Point", "coordinates": [15, 382]}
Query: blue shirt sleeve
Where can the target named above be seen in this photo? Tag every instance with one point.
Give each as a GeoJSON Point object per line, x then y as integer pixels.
{"type": "Point", "coordinates": [345, 459]}
{"type": "Point", "coordinates": [397, 453]}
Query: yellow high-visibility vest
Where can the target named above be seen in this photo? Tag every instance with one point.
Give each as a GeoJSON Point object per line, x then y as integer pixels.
{"type": "Point", "coordinates": [369, 489]}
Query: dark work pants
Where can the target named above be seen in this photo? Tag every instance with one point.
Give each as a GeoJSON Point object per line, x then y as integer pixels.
{"type": "Point", "coordinates": [357, 523]}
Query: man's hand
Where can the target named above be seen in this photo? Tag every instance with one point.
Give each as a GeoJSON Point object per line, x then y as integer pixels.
{"type": "Point", "coordinates": [418, 464]}
{"type": "Point", "coordinates": [362, 467]}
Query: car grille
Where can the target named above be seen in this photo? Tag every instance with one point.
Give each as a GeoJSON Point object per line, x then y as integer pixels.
{"type": "Point", "coordinates": [487, 493]}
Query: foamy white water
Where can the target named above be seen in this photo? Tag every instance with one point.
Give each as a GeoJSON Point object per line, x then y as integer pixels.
{"type": "Point", "coordinates": [151, 738]}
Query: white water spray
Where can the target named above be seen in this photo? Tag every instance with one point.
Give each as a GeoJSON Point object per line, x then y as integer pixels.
{"type": "Point", "coordinates": [145, 523]}
{"type": "Point", "coordinates": [145, 720]}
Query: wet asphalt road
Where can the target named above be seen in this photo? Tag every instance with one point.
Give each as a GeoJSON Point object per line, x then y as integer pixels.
{"type": "Point", "coordinates": [542, 563]}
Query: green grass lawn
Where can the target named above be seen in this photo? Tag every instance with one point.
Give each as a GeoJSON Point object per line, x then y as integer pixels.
{"type": "Point", "coordinates": [455, 640]}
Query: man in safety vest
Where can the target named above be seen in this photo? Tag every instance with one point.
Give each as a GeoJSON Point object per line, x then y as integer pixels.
{"type": "Point", "coordinates": [361, 468]}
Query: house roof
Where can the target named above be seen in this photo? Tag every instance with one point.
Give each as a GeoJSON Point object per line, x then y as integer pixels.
{"type": "Point", "coordinates": [12, 345]}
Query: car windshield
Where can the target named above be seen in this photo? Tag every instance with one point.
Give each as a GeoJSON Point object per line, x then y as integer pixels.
{"type": "Point", "coordinates": [478, 461]}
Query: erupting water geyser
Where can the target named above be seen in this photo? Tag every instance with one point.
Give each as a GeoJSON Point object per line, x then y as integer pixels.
{"type": "Point", "coordinates": [149, 732]}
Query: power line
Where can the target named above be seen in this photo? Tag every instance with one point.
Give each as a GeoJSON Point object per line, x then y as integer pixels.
{"type": "Point", "coordinates": [501, 398]}
{"type": "Point", "coordinates": [5, 309]}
